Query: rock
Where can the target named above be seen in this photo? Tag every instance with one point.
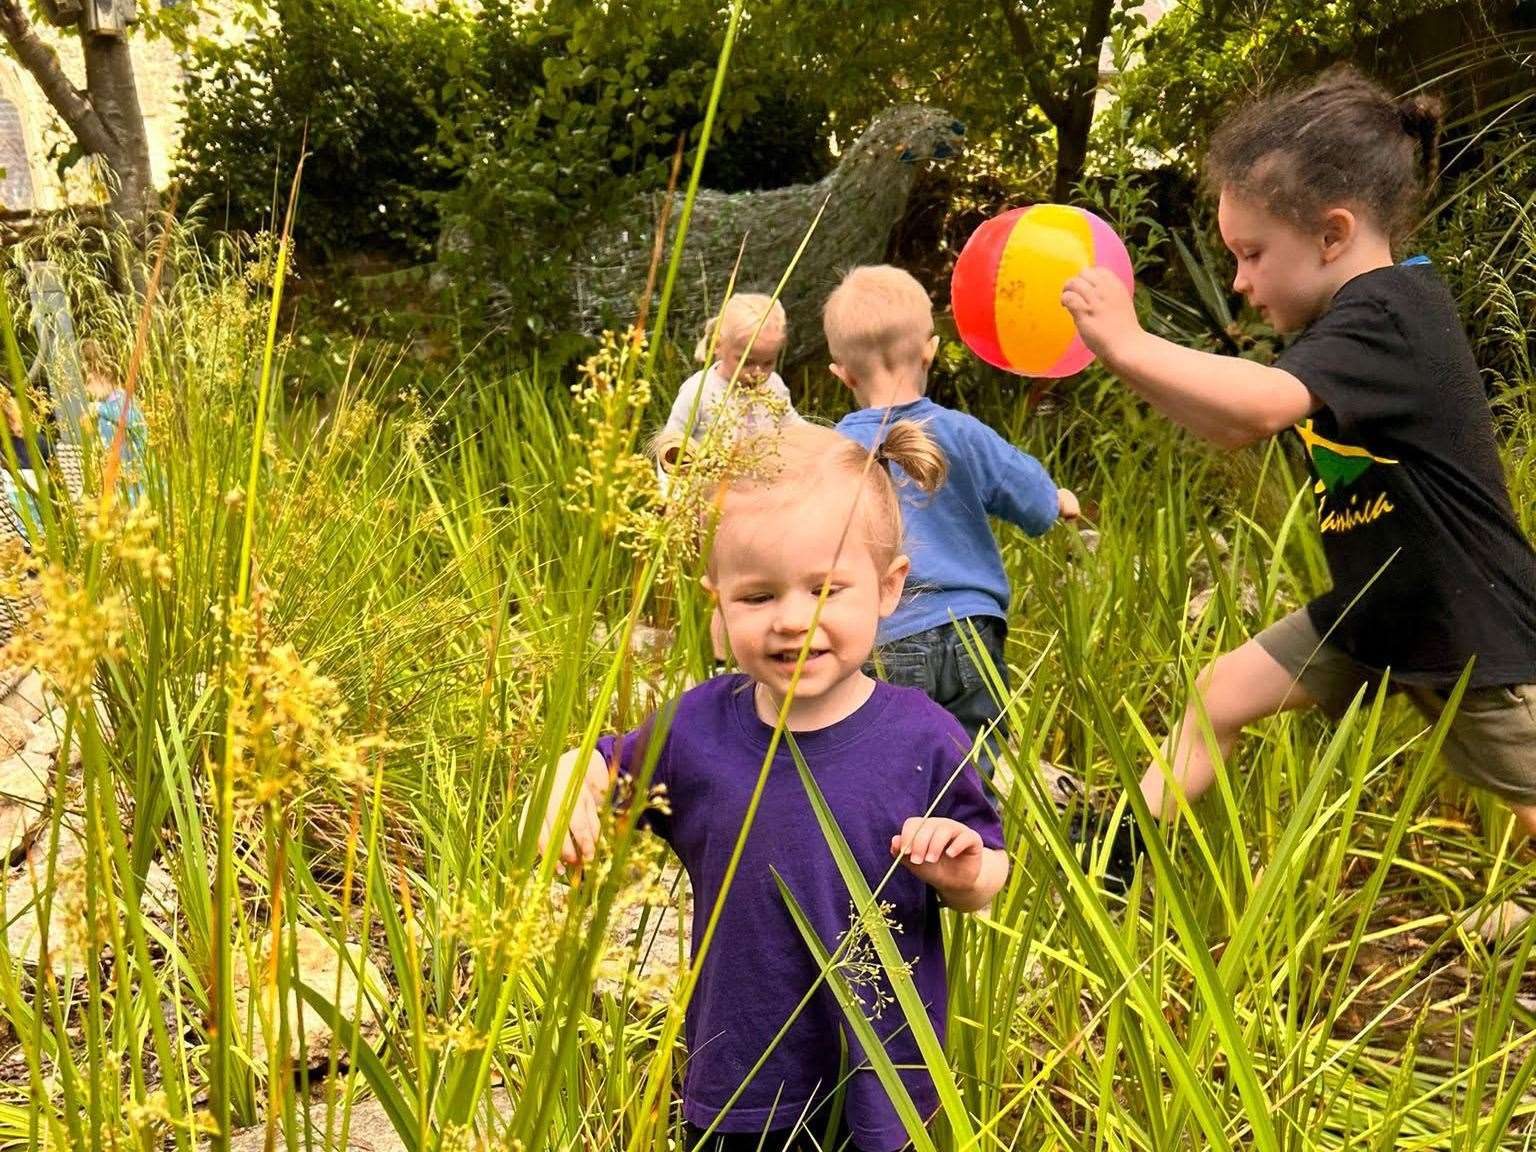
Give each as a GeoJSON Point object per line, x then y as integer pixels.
{"type": "Point", "coordinates": [1198, 603]}
{"type": "Point", "coordinates": [15, 733]}
{"type": "Point", "coordinates": [29, 699]}
{"type": "Point", "coordinates": [644, 639]}
{"type": "Point", "coordinates": [11, 676]}
{"type": "Point", "coordinates": [1247, 601]}
{"type": "Point", "coordinates": [66, 922]}
{"type": "Point", "coordinates": [46, 733]}
{"type": "Point", "coordinates": [158, 896]}
{"type": "Point", "coordinates": [653, 955]}
{"type": "Point", "coordinates": [1059, 784]}
{"type": "Point", "coordinates": [368, 1127]}
{"type": "Point", "coordinates": [1500, 923]}
{"type": "Point", "coordinates": [24, 787]}
{"type": "Point", "coordinates": [318, 960]}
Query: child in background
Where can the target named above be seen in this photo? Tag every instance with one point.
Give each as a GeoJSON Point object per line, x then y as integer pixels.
{"type": "Point", "coordinates": [740, 388]}
{"type": "Point", "coordinates": [879, 326]}
{"type": "Point", "coordinates": [107, 401]}
{"type": "Point", "coordinates": [741, 385]}
{"type": "Point", "coordinates": [819, 514]}
{"type": "Point", "coordinates": [1430, 568]}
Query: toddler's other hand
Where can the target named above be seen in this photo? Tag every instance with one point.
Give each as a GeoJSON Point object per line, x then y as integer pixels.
{"type": "Point", "coordinates": [1066, 504]}
{"type": "Point", "coordinates": [579, 843]}
{"type": "Point", "coordinates": [1102, 310]}
{"type": "Point", "coordinates": [941, 852]}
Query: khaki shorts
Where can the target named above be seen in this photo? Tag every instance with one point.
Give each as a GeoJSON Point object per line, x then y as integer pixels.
{"type": "Point", "coordinates": [1492, 739]}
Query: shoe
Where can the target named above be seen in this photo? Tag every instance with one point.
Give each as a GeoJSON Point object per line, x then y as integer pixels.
{"type": "Point", "coordinates": [1092, 825]}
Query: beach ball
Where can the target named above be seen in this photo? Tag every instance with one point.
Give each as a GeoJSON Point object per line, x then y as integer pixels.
{"type": "Point", "coordinates": [1006, 288]}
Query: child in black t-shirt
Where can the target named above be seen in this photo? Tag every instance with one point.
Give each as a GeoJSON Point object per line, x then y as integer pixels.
{"type": "Point", "coordinates": [1430, 568]}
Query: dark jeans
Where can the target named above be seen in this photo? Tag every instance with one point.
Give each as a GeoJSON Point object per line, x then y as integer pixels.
{"type": "Point", "coordinates": [937, 662]}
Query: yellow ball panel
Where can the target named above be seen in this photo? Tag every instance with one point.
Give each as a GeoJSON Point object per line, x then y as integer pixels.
{"type": "Point", "coordinates": [1049, 245]}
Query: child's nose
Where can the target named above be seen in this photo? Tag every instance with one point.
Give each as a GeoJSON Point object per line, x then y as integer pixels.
{"type": "Point", "coordinates": [795, 613]}
{"type": "Point", "coordinates": [1240, 283]}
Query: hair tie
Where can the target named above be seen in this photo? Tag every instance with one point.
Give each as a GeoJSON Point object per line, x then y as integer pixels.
{"type": "Point", "coordinates": [882, 457]}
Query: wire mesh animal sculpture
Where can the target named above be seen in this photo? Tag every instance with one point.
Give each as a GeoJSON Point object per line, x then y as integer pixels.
{"type": "Point", "coordinates": [865, 196]}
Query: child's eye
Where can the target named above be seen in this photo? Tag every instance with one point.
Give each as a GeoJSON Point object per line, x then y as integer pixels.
{"type": "Point", "coordinates": [755, 598]}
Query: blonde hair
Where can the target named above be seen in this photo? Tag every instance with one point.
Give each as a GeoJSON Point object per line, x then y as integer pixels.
{"type": "Point", "coordinates": [96, 368]}
{"type": "Point", "coordinates": [879, 317]}
{"type": "Point", "coordinates": [739, 318]}
{"type": "Point", "coordinates": [797, 463]}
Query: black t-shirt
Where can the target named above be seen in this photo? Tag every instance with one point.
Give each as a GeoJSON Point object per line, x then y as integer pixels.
{"type": "Point", "coordinates": [1429, 565]}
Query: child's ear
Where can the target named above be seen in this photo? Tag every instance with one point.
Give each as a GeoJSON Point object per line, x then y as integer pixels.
{"type": "Point", "coordinates": [1339, 228]}
{"type": "Point", "coordinates": [931, 350]}
{"type": "Point", "coordinates": [891, 584]}
{"type": "Point", "coordinates": [841, 373]}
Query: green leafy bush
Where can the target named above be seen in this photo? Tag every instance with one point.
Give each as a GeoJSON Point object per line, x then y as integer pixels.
{"type": "Point", "coordinates": [571, 110]}
{"type": "Point", "coordinates": [360, 86]}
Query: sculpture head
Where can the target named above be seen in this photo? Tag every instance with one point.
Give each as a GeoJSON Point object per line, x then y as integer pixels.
{"type": "Point", "coordinates": [908, 135]}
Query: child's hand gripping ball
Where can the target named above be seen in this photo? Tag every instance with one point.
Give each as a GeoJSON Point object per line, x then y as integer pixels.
{"type": "Point", "coordinates": [1006, 287]}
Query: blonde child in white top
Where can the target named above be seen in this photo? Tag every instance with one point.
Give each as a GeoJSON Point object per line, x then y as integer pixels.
{"type": "Point", "coordinates": [740, 385]}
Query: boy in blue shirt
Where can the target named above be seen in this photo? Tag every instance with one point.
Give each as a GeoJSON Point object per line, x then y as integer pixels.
{"type": "Point", "coordinates": [879, 327]}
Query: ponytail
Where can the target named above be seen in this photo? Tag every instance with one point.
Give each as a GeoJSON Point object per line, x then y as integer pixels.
{"type": "Point", "coordinates": [1338, 138]}
{"type": "Point", "coordinates": [1421, 116]}
{"type": "Point", "coordinates": [907, 444]}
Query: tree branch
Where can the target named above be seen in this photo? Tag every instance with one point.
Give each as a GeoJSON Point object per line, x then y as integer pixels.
{"type": "Point", "coordinates": [1084, 72]}
{"type": "Point", "coordinates": [1054, 107]}
{"type": "Point", "coordinates": [43, 62]}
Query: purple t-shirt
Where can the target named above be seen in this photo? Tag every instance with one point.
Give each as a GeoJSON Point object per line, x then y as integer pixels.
{"type": "Point", "coordinates": [898, 756]}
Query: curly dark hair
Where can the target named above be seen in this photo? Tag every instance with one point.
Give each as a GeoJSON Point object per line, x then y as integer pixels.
{"type": "Point", "coordinates": [1338, 138]}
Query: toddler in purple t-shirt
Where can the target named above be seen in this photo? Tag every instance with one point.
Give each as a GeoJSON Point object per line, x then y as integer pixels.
{"type": "Point", "coordinates": [805, 563]}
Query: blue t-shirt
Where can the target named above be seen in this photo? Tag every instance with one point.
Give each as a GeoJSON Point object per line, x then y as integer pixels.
{"type": "Point", "coordinates": [899, 755]}
{"type": "Point", "coordinates": [957, 570]}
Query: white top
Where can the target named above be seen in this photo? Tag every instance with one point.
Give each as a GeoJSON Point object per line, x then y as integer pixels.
{"type": "Point", "coordinates": [750, 409]}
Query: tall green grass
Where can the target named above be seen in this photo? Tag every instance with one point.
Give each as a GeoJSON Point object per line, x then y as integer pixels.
{"type": "Point", "coordinates": [1297, 970]}
{"type": "Point", "coordinates": [338, 650]}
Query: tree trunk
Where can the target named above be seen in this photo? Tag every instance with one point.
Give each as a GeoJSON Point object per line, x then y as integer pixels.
{"type": "Point", "coordinates": [1071, 111]}
{"type": "Point", "coordinates": [1075, 118]}
{"type": "Point", "coordinates": [106, 118]}
{"type": "Point", "coordinates": [115, 97]}
{"type": "Point", "coordinates": [1072, 147]}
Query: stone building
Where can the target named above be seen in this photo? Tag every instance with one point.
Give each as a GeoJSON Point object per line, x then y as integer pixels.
{"type": "Point", "coordinates": [31, 133]}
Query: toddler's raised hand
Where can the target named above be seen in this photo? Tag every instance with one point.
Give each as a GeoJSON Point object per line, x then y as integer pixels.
{"type": "Point", "coordinates": [939, 851]}
{"type": "Point", "coordinates": [1067, 506]}
{"type": "Point", "coordinates": [1102, 310]}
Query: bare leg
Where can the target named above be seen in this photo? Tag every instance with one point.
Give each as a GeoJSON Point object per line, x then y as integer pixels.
{"type": "Point", "coordinates": [1240, 687]}
{"type": "Point", "coordinates": [1525, 817]}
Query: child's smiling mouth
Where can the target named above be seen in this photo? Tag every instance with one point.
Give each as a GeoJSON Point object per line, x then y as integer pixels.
{"type": "Point", "coordinates": [789, 657]}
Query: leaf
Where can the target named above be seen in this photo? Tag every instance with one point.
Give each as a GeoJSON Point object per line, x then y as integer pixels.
{"type": "Point", "coordinates": [853, 1008]}
{"type": "Point", "coordinates": [391, 1099]}
{"type": "Point", "coordinates": [891, 959]}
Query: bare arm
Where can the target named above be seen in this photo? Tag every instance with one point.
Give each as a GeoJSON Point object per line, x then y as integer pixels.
{"type": "Point", "coordinates": [1224, 399]}
{"type": "Point", "coordinates": [990, 878]}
